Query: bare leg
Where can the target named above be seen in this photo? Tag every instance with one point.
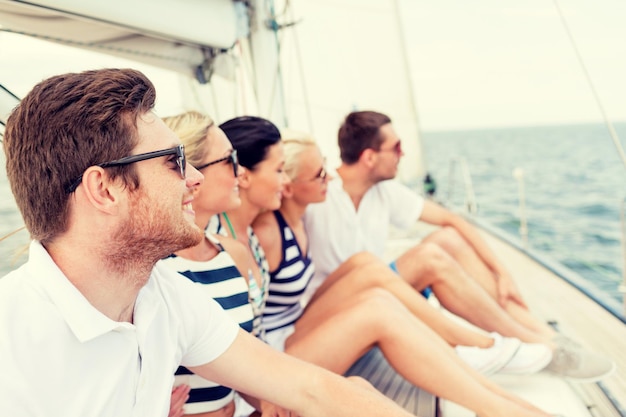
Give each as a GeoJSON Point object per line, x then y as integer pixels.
{"type": "Point", "coordinates": [341, 333]}
{"type": "Point", "coordinates": [455, 245]}
{"type": "Point", "coordinates": [428, 265]}
{"type": "Point", "coordinates": [366, 272]}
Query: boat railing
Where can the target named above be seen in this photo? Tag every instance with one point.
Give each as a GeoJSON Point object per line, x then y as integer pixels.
{"type": "Point", "coordinates": [470, 204]}
{"type": "Point", "coordinates": [518, 174]}
{"type": "Point", "coordinates": [471, 208]}
{"type": "Point", "coordinates": [470, 198]}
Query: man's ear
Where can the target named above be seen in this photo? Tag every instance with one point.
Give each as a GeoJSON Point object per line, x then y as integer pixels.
{"type": "Point", "coordinates": [368, 157]}
{"type": "Point", "coordinates": [100, 191]}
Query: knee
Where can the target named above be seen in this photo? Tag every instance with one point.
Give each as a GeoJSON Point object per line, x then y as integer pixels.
{"type": "Point", "coordinates": [433, 259]}
{"type": "Point", "coordinates": [449, 239]}
{"type": "Point", "coordinates": [378, 312]}
{"type": "Point", "coordinates": [362, 258]}
{"type": "Point", "coordinates": [429, 253]}
{"type": "Point", "coordinates": [376, 274]}
{"type": "Point", "coordinates": [377, 299]}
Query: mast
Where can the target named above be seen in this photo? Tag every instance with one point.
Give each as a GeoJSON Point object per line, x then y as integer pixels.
{"type": "Point", "coordinates": [265, 51]}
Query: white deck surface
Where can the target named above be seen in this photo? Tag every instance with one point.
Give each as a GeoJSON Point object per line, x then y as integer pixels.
{"type": "Point", "coordinates": [551, 298]}
{"type": "Point", "coordinates": [551, 394]}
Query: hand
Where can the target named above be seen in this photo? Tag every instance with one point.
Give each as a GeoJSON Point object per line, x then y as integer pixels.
{"type": "Point", "coordinates": [508, 291]}
{"type": "Point", "coordinates": [180, 395]}
{"type": "Point", "coordinates": [273, 410]}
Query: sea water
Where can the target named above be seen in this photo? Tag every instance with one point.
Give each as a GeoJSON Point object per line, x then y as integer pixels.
{"type": "Point", "coordinates": [573, 183]}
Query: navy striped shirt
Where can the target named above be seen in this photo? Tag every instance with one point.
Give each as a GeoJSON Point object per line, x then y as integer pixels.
{"type": "Point", "coordinates": [287, 282]}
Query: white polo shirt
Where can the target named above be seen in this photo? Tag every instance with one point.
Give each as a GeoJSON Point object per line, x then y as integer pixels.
{"type": "Point", "coordinates": [59, 356]}
{"type": "Point", "coordinates": [337, 230]}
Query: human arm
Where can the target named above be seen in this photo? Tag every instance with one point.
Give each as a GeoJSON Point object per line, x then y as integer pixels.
{"type": "Point", "coordinates": [252, 367]}
{"type": "Point", "coordinates": [506, 290]}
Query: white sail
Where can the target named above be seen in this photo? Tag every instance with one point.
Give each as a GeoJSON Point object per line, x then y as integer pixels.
{"type": "Point", "coordinates": [177, 35]}
{"type": "Point", "coordinates": [348, 55]}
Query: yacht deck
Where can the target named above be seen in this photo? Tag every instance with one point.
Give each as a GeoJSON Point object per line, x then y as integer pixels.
{"type": "Point", "coordinates": [556, 301]}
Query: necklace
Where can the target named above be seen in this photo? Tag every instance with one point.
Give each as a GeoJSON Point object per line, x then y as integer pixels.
{"type": "Point", "coordinates": [258, 295]}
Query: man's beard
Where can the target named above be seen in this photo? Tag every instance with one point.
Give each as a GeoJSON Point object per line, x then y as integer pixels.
{"type": "Point", "coordinates": [151, 233]}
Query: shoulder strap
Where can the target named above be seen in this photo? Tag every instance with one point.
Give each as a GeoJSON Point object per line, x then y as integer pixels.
{"type": "Point", "coordinates": [281, 220]}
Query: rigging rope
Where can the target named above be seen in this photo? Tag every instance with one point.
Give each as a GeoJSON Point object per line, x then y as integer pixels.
{"type": "Point", "coordinates": [305, 92]}
{"type": "Point", "coordinates": [277, 80]}
{"type": "Point", "coordinates": [609, 125]}
{"type": "Point", "coordinates": [596, 96]}
{"type": "Point", "coordinates": [246, 75]}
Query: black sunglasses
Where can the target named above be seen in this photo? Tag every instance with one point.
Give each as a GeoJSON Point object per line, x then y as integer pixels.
{"type": "Point", "coordinates": [321, 176]}
{"type": "Point", "coordinates": [231, 158]}
{"type": "Point", "coordinates": [396, 148]}
{"type": "Point", "coordinates": [178, 150]}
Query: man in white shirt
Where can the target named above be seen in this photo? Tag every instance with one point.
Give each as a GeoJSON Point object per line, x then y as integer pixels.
{"type": "Point", "coordinates": [454, 262]}
{"type": "Point", "coordinates": [92, 324]}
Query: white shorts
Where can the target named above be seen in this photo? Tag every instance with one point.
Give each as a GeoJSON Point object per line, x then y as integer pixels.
{"type": "Point", "coordinates": [242, 408]}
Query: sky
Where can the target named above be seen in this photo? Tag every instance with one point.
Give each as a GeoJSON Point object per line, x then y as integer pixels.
{"type": "Point", "coordinates": [474, 64]}
{"type": "Point", "coordinates": [509, 63]}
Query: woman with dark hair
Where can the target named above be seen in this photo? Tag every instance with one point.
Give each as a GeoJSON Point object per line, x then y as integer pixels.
{"type": "Point", "coordinates": [260, 188]}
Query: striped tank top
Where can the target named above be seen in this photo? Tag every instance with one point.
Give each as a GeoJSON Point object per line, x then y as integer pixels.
{"type": "Point", "coordinates": [257, 296]}
{"type": "Point", "coordinates": [287, 282]}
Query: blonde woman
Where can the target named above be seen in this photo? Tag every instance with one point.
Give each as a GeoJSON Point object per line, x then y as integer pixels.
{"type": "Point", "coordinates": [208, 263]}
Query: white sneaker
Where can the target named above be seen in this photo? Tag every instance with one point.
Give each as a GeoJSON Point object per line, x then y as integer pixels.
{"type": "Point", "coordinates": [530, 358]}
{"type": "Point", "coordinates": [490, 360]}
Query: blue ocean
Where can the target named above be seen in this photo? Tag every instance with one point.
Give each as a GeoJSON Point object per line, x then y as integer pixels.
{"type": "Point", "coordinates": [573, 186]}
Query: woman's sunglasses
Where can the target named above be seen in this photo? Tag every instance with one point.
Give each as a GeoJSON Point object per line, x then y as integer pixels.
{"type": "Point", "coordinates": [231, 158]}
